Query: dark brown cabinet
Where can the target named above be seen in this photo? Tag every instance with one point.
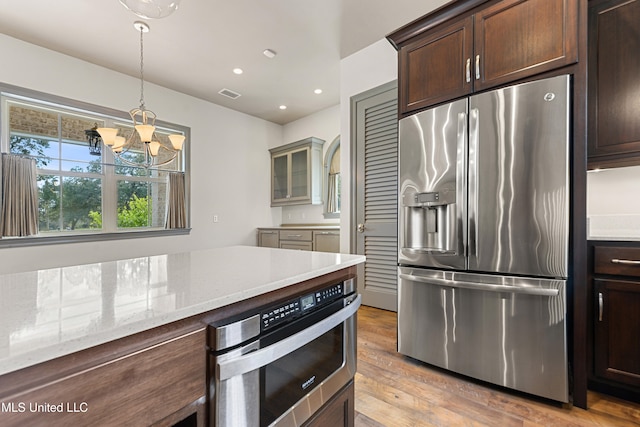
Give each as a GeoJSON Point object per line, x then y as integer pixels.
{"type": "Point", "coordinates": [515, 39]}
{"type": "Point", "coordinates": [616, 319]}
{"type": "Point", "coordinates": [614, 60]}
{"type": "Point", "coordinates": [338, 412]}
{"type": "Point", "coordinates": [502, 43]}
{"type": "Point", "coordinates": [617, 331]}
{"type": "Point", "coordinates": [437, 68]}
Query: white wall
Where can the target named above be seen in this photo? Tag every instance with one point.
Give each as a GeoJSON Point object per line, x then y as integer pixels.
{"type": "Point", "coordinates": [228, 150]}
{"type": "Point", "coordinates": [325, 125]}
{"type": "Point", "coordinates": [613, 202]}
{"type": "Point", "coordinates": [366, 69]}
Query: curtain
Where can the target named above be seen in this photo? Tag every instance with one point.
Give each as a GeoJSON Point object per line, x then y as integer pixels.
{"type": "Point", "coordinates": [19, 210]}
{"type": "Point", "coordinates": [334, 173]}
{"type": "Point", "coordinates": [176, 210]}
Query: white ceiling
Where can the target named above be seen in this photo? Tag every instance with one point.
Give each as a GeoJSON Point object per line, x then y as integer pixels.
{"type": "Point", "coordinates": [194, 50]}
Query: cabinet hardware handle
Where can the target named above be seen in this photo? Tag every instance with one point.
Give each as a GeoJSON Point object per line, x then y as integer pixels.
{"type": "Point", "coordinates": [294, 235]}
{"type": "Point", "coordinates": [361, 228]}
{"type": "Point", "coordinates": [625, 261]}
{"type": "Point", "coordinates": [600, 306]}
{"type": "Point", "coordinates": [477, 67]}
{"type": "Point", "coordinates": [468, 70]}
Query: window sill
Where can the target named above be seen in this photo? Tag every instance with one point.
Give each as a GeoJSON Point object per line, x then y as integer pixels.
{"type": "Point", "coordinates": [18, 242]}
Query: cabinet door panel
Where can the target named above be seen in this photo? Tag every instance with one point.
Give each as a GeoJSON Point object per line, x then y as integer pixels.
{"type": "Point", "coordinates": [338, 412]}
{"type": "Point", "coordinates": [269, 239]}
{"type": "Point", "coordinates": [614, 60]}
{"type": "Point", "coordinates": [300, 174]}
{"type": "Point", "coordinates": [326, 241]}
{"type": "Point", "coordinates": [434, 68]}
{"type": "Point", "coordinates": [280, 184]}
{"type": "Point", "coordinates": [617, 331]}
{"type": "Point", "coordinates": [515, 39]}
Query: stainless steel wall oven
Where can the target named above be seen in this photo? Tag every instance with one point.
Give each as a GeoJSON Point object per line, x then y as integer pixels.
{"type": "Point", "coordinates": [278, 365]}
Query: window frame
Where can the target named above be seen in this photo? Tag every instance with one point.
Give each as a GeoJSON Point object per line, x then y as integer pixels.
{"type": "Point", "coordinates": [328, 158]}
{"type": "Point", "coordinates": [66, 105]}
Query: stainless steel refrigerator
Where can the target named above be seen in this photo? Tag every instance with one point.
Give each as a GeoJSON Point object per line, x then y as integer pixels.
{"type": "Point", "coordinates": [484, 236]}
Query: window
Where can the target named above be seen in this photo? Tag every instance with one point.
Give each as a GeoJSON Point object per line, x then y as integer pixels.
{"type": "Point", "coordinates": [332, 179]}
{"type": "Point", "coordinates": [81, 193]}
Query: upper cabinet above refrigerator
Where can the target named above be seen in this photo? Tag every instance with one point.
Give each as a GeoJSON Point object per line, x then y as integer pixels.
{"type": "Point", "coordinates": [482, 48]}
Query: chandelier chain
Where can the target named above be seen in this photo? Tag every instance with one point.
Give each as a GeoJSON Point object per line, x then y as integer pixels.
{"type": "Point", "coordinates": [141, 70]}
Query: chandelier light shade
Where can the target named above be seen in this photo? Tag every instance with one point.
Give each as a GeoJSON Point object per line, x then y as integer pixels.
{"type": "Point", "coordinates": [142, 138]}
{"type": "Point", "coordinates": [151, 9]}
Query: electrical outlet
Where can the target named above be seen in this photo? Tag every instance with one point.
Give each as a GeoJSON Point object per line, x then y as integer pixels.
{"type": "Point", "coordinates": [215, 218]}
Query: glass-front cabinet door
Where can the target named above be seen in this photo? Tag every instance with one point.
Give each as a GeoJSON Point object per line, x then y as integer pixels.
{"type": "Point", "coordinates": [296, 173]}
{"type": "Point", "coordinates": [280, 178]}
{"type": "Point", "coordinates": [300, 174]}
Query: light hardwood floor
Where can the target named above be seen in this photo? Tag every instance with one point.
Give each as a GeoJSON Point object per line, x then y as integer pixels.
{"type": "Point", "coordinates": [395, 391]}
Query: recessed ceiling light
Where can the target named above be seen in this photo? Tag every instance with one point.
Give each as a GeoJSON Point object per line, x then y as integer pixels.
{"type": "Point", "coordinates": [269, 53]}
{"type": "Point", "coordinates": [317, 91]}
{"type": "Point", "coordinates": [283, 107]}
{"type": "Point", "coordinates": [238, 71]}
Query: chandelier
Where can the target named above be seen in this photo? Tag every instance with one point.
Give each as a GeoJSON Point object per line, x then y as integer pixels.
{"type": "Point", "coordinates": [143, 137]}
{"type": "Point", "coordinates": [151, 9]}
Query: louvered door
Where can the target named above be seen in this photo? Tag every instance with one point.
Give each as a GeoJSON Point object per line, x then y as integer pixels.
{"type": "Point", "coordinates": [376, 197]}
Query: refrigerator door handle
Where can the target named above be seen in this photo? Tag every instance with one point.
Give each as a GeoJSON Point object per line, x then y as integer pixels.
{"type": "Point", "coordinates": [482, 286]}
{"type": "Point", "coordinates": [472, 206]}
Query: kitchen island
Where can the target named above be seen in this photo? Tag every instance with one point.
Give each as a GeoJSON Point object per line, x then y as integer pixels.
{"type": "Point", "coordinates": [124, 341]}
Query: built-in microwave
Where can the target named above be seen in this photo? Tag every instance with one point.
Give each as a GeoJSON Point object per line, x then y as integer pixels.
{"type": "Point", "coordinates": [279, 365]}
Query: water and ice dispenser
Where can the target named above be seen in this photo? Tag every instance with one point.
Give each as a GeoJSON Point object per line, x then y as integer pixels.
{"type": "Point", "coordinates": [429, 220]}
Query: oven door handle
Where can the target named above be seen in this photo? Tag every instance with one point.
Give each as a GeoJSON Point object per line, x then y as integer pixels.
{"type": "Point", "coordinates": [259, 358]}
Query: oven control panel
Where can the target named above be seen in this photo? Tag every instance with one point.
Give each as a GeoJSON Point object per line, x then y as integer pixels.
{"type": "Point", "coordinates": [299, 306]}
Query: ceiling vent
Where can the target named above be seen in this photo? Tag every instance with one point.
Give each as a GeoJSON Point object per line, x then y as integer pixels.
{"type": "Point", "coordinates": [229, 93]}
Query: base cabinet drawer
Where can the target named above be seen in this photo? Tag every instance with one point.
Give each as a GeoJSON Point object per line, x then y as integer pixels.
{"type": "Point", "coordinates": [303, 235]}
{"type": "Point", "coordinates": [618, 261]}
{"type": "Point", "coordinates": [301, 246]}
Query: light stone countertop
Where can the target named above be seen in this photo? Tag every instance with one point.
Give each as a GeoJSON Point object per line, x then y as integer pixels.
{"type": "Point", "coordinates": [50, 313]}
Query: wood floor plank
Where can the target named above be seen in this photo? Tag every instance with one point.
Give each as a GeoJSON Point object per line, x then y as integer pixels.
{"type": "Point", "coordinates": [395, 391]}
